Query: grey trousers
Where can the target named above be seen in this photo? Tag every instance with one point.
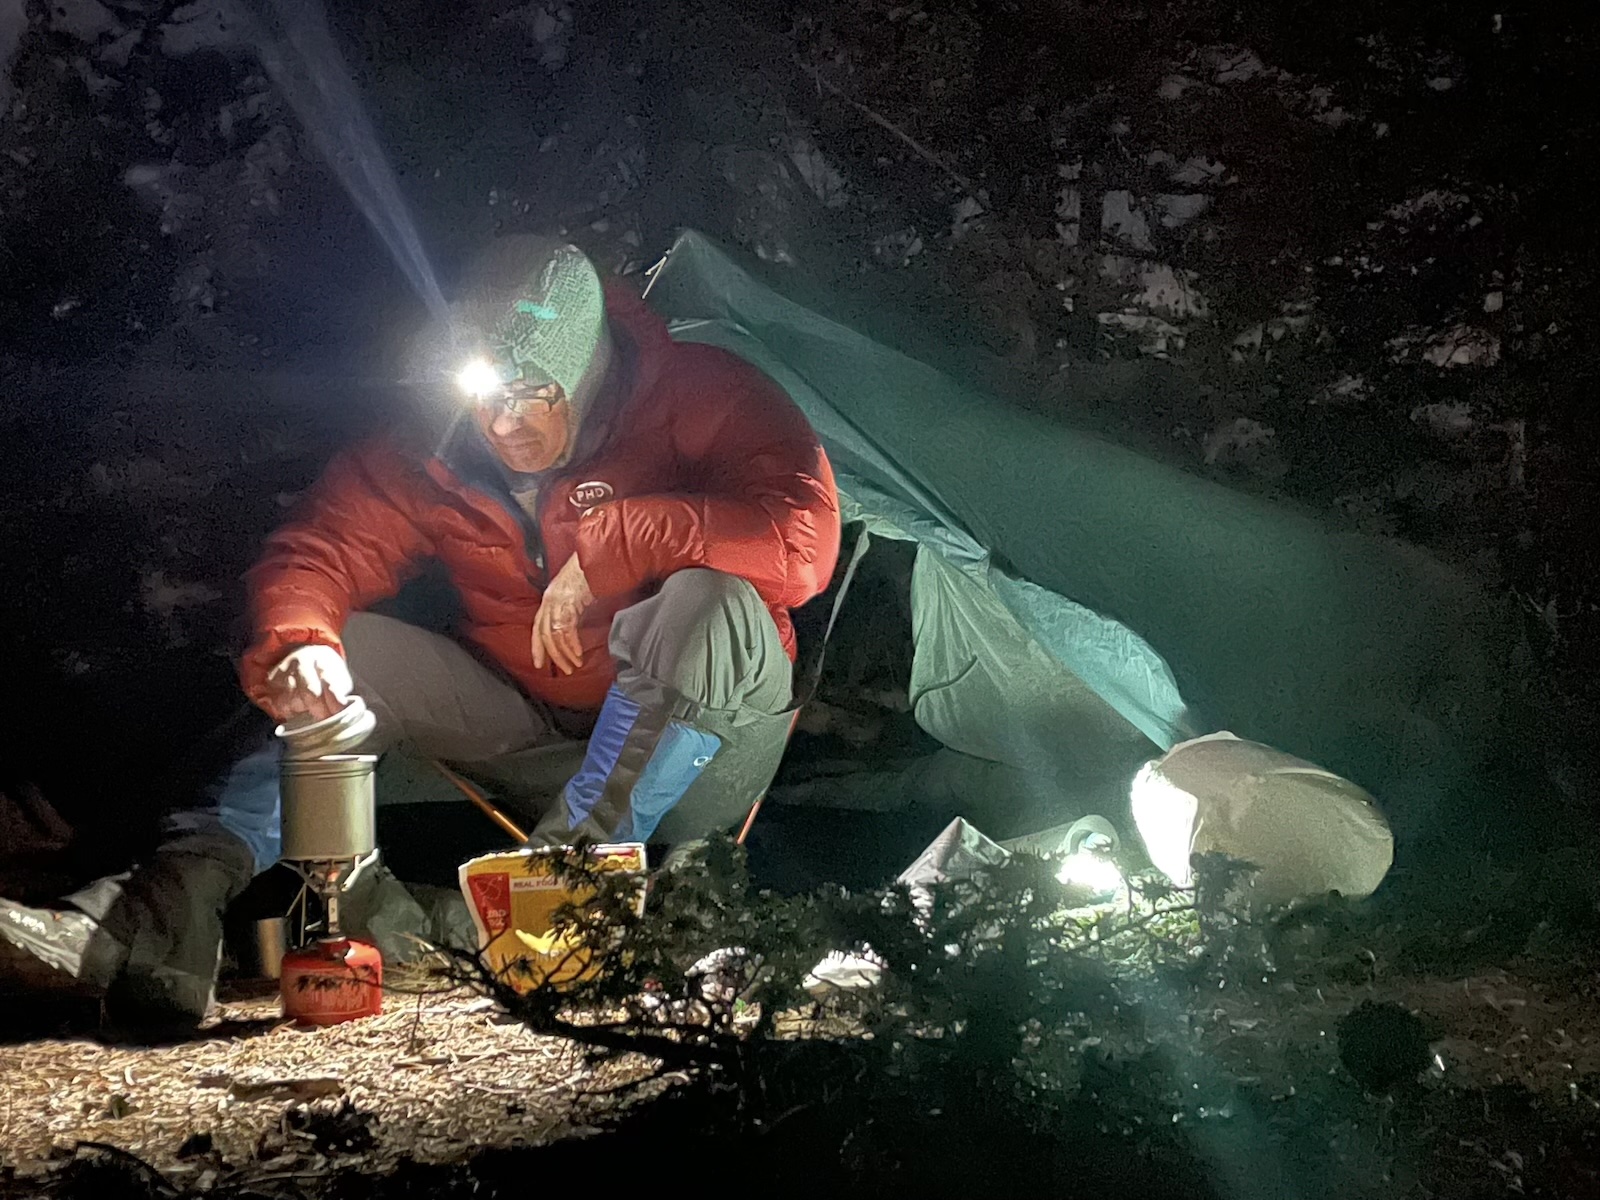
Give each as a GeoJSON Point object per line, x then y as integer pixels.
{"type": "Point", "coordinates": [704, 644]}
{"type": "Point", "coordinates": [703, 650]}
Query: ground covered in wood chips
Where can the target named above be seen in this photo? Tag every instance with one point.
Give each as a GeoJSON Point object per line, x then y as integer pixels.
{"type": "Point", "coordinates": [439, 1075]}
{"type": "Point", "coordinates": [1242, 1088]}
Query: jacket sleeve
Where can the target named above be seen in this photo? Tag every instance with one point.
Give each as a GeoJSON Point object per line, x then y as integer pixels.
{"type": "Point", "coordinates": [354, 541]}
{"type": "Point", "coordinates": [767, 511]}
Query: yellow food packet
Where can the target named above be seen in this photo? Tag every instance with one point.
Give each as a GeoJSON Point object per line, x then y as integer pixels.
{"type": "Point", "coordinates": [513, 898]}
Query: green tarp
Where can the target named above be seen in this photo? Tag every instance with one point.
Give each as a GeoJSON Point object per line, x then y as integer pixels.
{"type": "Point", "coordinates": [1137, 604]}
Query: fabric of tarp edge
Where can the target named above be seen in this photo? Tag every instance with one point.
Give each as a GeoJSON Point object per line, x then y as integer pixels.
{"type": "Point", "coordinates": [841, 434]}
{"type": "Point", "coordinates": [1113, 660]}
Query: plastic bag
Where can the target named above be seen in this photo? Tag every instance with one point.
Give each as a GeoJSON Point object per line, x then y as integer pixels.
{"type": "Point", "coordinates": [1306, 830]}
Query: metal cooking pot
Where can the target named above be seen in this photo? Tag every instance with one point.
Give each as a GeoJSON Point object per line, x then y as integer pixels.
{"type": "Point", "coordinates": [329, 810]}
{"type": "Point", "coordinates": [339, 734]}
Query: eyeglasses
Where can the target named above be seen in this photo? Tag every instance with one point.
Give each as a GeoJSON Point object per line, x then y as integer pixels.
{"type": "Point", "coordinates": [525, 400]}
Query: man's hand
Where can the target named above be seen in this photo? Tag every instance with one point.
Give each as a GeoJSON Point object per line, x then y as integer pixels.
{"type": "Point", "coordinates": [312, 680]}
{"type": "Point", "coordinates": [555, 628]}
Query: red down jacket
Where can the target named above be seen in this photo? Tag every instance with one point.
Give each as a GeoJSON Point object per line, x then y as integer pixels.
{"type": "Point", "coordinates": [708, 464]}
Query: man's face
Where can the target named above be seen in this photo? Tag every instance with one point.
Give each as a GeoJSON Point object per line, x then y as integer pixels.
{"type": "Point", "coordinates": [528, 425]}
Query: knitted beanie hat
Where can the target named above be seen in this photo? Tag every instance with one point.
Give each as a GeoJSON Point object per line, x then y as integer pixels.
{"type": "Point", "coordinates": [534, 308]}
{"type": "Point", "coordinates": [555, 322]}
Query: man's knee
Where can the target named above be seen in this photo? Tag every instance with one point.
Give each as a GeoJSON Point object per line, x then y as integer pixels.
{"type": "Point", "coordinates": [427, 689]}
{"type": "Point", "coordinates": [707, 635]}
{"type": "Point", "coordinates": [373, 648]}
{"type": "Point", "coordinates": [706, 595]}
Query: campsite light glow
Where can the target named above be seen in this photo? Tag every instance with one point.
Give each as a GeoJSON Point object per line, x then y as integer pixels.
{"type": "Point", "coordinates": [1090, 872]}
{"type": "Point", "coordinates": [1165, 816]}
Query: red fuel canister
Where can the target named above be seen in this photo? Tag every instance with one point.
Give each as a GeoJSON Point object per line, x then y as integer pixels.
{"type": "Point", "coordinates": [331, 981]}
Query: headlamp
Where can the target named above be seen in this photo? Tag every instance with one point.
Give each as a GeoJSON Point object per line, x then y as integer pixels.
{"type": "Point", "coordinates": [480, 378]}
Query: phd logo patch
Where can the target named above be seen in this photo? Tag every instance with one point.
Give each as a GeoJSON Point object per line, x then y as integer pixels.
{"type": "Point", "coordinates": [587, 495]}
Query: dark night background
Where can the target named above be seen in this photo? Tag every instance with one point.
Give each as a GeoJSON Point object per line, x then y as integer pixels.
{"type": "Point", "coordinates": [1335, 253]}
{"type": "Point", "coordinates": [1376, 309]}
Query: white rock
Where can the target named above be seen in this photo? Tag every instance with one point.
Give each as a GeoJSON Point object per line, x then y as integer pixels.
{"type": "Point", "coordinates": [13, 24]}
{"type": "Point", "coordinates": [1449, 418]}
{"type": "Point", "coordinates": [1345, 388]}
{"type": "Point", "coordinates": [897, 248]}
{"type": "Point", "coordinates": [1168, 290]}
{"type": "Point", "coordinates": [549, 25]}
{"type": "Point", "coordinates": [962, 214]}
{"type": "Point", "coordinates": [819, 174]}
{"type": "Point", "coordinates": [1174, 86]}
{"type": "Point", "coordinates": [1197, 170]}
{"type": "Point", "coordinates": [1433, 202]}
{"type": "Point", "coordinates": [1069, 213]}
{"type": "Point", "coordinates": [144, 175]}
{"type": "Point", "coordinates": [1069, 204]}
{"type": "Point", "coordinates": [1157, 336]}
{"type": "Point", "coordinates": [204, 25]}
{"type": "Point", "coordinates": [1156, 287]}
{"type": "Point", "coordinates": [1461, 345]}
{"type": "Point", "coordinates": [163, 597]}
{"type": "Point", "coordinates": [1179, 209]}
{"type": "Point", "coordinates": [1125, 221]}
{"type": "Point", "coordinates": [86, 20]}
{"type": "Point", "coordinates": [1238, 435]}
{"type": "Point", "coordinates": [1236, 66]}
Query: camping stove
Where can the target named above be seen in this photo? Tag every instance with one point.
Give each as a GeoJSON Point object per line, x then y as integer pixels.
{"type": "Point", "coordinates": [329, 827]}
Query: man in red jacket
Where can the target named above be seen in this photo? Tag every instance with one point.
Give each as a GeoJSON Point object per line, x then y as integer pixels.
{"type": "Point", "coordinates": [628, 522]}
